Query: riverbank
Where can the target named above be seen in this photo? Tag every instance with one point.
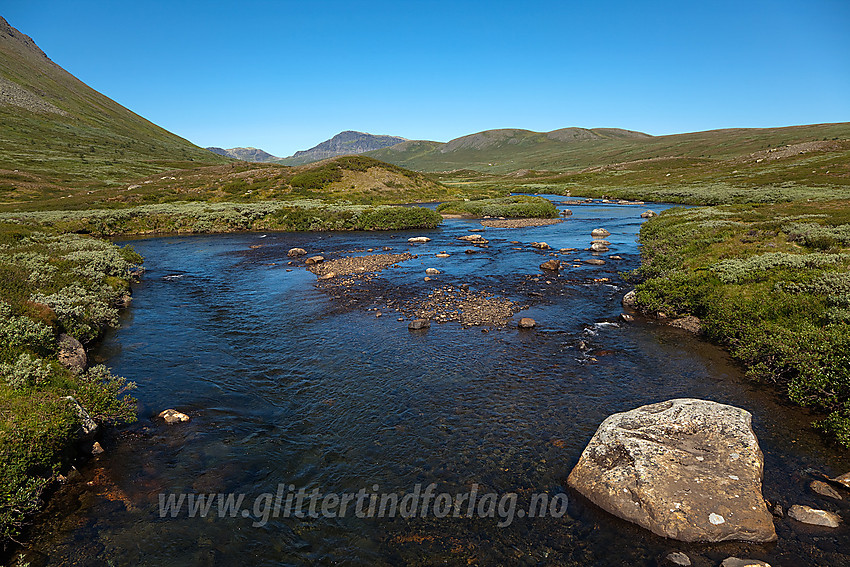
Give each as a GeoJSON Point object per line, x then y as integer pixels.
{"type": "Point", "coordinates": [58, 293]}
{"type": "Point", "coordinates": [768, 282]}
{"type": "Point", "coordinates": [195, 217]}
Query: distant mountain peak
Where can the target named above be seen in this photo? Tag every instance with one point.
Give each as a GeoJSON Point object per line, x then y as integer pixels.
{"type": "Point", "coordinates": [345, 143]}
{"type": "Point", "coordinates": [245, 154]}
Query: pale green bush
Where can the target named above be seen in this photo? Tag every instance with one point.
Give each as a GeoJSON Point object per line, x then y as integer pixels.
{"type": "Point", "coordinates": [83, 312]}
{"type": "Point", "coordinates": [754, 267]}
{"type": "Point", "coordinates": [26, 372]}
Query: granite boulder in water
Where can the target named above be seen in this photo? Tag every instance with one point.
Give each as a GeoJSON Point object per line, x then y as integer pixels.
{"type": "Point", "coordinates": [685, 469]}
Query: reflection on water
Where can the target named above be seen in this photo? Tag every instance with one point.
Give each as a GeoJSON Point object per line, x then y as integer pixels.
{"type": "Point", "coordinates": [286, 384]}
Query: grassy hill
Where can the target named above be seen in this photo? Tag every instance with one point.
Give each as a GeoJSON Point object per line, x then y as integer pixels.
{"type": "Point", "coordinates": [735, 165]}
{"type": "Point", "coordinates": [58, 136]}
{"type": "Point", "coordinates": [354, 179]}
{"type": "Point", "coordinates": [573, 149]}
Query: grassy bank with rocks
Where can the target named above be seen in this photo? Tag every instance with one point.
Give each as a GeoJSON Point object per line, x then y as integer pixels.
{"type": "Point", "coordinates": [53, 284]}
{"type": "Point", "coordinates": [769, 282]}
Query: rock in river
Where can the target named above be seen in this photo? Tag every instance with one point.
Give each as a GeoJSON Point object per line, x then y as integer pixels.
{"type": "Point", "coordinates": [314, 260]}
{"type": "Point", "coordinates": [553, 265]}
{"type": "Point", "coordinates": [686, 469]}
{"type": "Point", "coordinates": [599, 233]}
{"type": "Point", "coordinates": [735, 562]}
{"type": "Point", "coordinates": [296, 252]}
{"type": "Point", "coordinates": [824, 489]}
{"type": "Point", "coordinates": [648, 214]}
{"type": "Point", "coordinates": [541, 246]}
{"type": "Point", "coordinates": [814, 517]}
{"type": "Point", "coordinates": [417, 239]}
{"type": "Point", "coordinates": [432, 271]}
{"type": "Point", "coordinates": [526, 323]}
{"type": "Point", "coordinates": [419, 324]}
{"type": "Point", "coordinates": [172, 416]}
{"type": "Point", "coordinates": [598, 247]}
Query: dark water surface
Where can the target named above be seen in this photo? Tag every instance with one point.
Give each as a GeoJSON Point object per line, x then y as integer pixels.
{"type": "Point", "coordinates": [285, 384]}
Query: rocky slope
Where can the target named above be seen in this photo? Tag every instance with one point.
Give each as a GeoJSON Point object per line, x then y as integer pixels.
{"type": "Point", "coordinates": [344, 143]}
{"type": "Point", "coordinates": [255, 155]}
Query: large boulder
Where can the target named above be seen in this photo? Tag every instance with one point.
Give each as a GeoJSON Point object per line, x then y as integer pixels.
{"type": "Point", "coordinates": [648, 214]}
{"type": "Point", "coordinates": [685, 469]}
{"type": "Point", "coordinates": [296, 252]}
{"type": "Point", "coordinates": [314, 260]}
{"type": "Point", "coordinates": [597, 246]}
{"type": "Point", "coordinates": [553, 265]}
{"type": "Point", "coordinates": [599, 233]}
{"type": "Point", "coordinates": [72, 354]}
{"type": "Point", "coordinates": [630, 300]}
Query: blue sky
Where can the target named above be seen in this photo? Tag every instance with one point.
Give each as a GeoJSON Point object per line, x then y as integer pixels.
{"type": "Point", "coordinates": [284, 76]}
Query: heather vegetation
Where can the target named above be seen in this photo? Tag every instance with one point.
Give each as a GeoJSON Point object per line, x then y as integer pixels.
{"type": "Point", "coordinates": [209, 217]}
{"type": "Point", "coordinates": [771, 283]}
{"type": "Point", "coordinates": [514, 206]}
{"type": "Point", "coordinates": [52, 283]}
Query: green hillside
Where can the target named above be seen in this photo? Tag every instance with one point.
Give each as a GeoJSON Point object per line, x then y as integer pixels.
{"type": "Point", "coordinates": [57, 135]}
{"type": "Point", "coordinates": [571, 149]}
{"type": "Point", "coordinates": [717, 166]}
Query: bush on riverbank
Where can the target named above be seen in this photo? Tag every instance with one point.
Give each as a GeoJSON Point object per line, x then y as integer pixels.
{"type": "Point", "coordinates": [514, 206]}
{"type": "Point", "coordinates": [771, 283]}
{"type": "Point", "coordinates": [199, 217]}
{"type": "Point", "coordinates": [52, 283]}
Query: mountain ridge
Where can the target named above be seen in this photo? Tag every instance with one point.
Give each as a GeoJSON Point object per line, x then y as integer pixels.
{"type": "Point", "coordinates": [347, 142]}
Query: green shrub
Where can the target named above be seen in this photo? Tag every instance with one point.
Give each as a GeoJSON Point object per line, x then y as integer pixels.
{"type": "Point", "coordinates": [782, 310]}
{"type": "Point", "coordinates": [515, 206]}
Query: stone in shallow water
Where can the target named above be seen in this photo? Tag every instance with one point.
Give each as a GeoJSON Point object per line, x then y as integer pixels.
{"type": "Point", "coordinates": [735, 562]}
{"type": "Point", "coordinates": [824, 489]}
{"type": "Point", "coordinates": [172, 416]}
{"type": "Point", "coordinates": [677, 558]}
{"type": "Point", "coordinates": [685, 469]}
{"type": "Point", "coordinates": [808, 515]}
{"type": "Point", "coordinates": [419, 324]}
{"type": "Point", "coordinates": [526, 323]}
{"type": "Point", "coordinates": [843, 480]}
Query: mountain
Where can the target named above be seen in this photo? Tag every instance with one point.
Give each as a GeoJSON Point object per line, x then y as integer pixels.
{"type": "Point", "coordinates": [344, 143]}
{"type": "Point", "coordinates": [245, 154]}
{"type": "Point", "coordinates": [573, 149]}
{"type": "Point", "coordinates": [57, 133]}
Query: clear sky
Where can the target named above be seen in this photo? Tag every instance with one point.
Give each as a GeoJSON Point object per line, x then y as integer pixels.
{"type": "Point", "coordinates": [285, 76]}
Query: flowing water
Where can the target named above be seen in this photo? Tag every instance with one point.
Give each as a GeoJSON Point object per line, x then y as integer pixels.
{"type": "Point", "coordinates": [288, 384]}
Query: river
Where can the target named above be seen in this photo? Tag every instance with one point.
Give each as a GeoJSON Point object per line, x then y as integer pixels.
{"type": "Point", "coordinates": [286, 384]}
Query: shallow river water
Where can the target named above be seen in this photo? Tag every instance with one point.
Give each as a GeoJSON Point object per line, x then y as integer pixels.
{"type": "Point", "coordinates": [286, 384]}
